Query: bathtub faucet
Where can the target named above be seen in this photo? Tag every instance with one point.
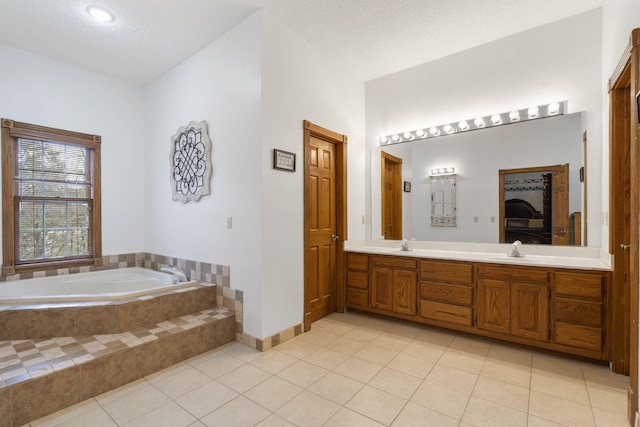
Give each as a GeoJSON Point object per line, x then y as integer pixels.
{"type": "Point", "coordinates": [179, 276]}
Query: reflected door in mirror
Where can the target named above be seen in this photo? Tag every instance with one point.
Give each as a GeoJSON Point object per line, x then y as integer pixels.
{"type": "Point", "coordinates": [391, 197]}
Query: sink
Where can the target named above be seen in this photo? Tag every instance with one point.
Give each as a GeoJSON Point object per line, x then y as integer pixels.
{"type": "Point", "coordinates": [514, 259]}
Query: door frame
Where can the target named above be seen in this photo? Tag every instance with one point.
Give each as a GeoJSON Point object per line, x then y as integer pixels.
{"type": "Point", "coordinates": [397, 202]}
{"type": "Point", "coordinates": [624, 137]}
{"type": "Point", "coordinates": [340, 141]}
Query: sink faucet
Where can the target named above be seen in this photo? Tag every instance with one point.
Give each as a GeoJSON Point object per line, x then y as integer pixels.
{"type": "Point", "coordinates": [179, 276]}
{"type": "Point", "coordinates": [405, 246]}
{"type": "Point", "coordinates": [515, 250]}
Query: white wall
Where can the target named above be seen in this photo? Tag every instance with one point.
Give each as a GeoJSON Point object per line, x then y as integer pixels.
{"type": "Point", "coordinates": [299, 83]}
{"type": "Point", "coordinates": [220, 84]}
{"type": "Point", "coordinates": [45, 92]}
{"type": "Point", "coordinates": [555, 62]}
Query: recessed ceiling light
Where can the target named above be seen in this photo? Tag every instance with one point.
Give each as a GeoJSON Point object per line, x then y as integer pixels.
{"type": "Point", "coordinates": [100, 14]}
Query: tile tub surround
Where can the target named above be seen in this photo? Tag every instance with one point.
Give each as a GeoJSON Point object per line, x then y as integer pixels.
{"type": "Point", "coordinates": [38, 377]}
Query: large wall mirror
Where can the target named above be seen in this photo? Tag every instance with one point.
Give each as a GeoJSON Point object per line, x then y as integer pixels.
{"type": "Point", "coordinates": [498, 170]}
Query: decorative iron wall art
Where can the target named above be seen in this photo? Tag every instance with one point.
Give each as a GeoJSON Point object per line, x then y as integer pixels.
{"type": "Point", "coordinates": [191, 162]}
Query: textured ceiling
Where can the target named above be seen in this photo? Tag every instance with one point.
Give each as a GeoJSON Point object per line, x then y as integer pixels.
{"type": "Point", "coordinates": [372, 38]}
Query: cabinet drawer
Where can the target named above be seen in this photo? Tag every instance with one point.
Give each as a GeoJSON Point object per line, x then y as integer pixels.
{"type": "Point", "coordinates": [357, 297]}
{"type": "Point", "coordinates": [446, 312]}
{"type": "Point", "coordinates": [446, 272]}
{"type": "Point", "coordinates": [358, 279]}
{"type": "Point", "coordinates": [578, 311]}
{"type": "Point", "coordinates": [392, 261]}
{"type": "Point", "coordinates": [507, 272]}
{"type": "Point", "coordinates": [445, 292]}
{"type": "Point", "coordinates": [357, 261]}
{"type": "Point", "coordinates": [580, 284]}
{"type": "Point", "coordinates": [579, 336]}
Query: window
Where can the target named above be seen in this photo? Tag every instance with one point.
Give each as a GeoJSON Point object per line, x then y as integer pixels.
{"type": "Point", "coordinates": [50, 197]}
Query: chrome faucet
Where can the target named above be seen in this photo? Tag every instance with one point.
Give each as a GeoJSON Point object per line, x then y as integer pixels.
{"type": "Point", "coordinates": [405, 246]}
{"type": "Point", "coordinates": [515, 250]}
{"type": "Point", "coordinates": [179, 276]}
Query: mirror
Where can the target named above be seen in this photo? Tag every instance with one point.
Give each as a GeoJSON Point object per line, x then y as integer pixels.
{"type": "Point", "coordinates": [477, 157]}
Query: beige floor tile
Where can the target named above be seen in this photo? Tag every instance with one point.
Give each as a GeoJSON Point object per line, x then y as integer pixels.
{"type": "Point", "coordinates": [93, 418]}
{"type": "Point", "coordinates": [442, 399]}
{"type": "Point", "coordinates": [482, 413]}
{"type": "Point", "coordinates": [414, 415]}
{"type": "Point", "coordinates": [395, 382]}
{"type": "Point", "coordinates": [375, 354]}
{"type": "Point", "coordinates": [297, 348]}
{"type": "Point", "coordinates": [336, 387]}
{"type": "Point", "coordinates": [318, 337]}
{"type": "Point", "coordinates": [378, 324]}
{"type": "Point", "coordinates": [469, 362]}
{"type": "Point", "coordinates": [557, 365]}
{"type": "Point", "coordinates": [273, 393]}
{"type": "Point", "coordinates": [273, 361]}
{"type": "Point", "coordinates": [180, 381]}
{"type": "Point", "coordinates": [178, 368]}
{"type": "Point", "coordinates": [607, 399]}
{"type": "Point", "coordinates": [511, 355]}
{"type": "Point", "coordinates": [560, 410]}
{"type": "Point", "coordinates": [453, 378]}
{"type": "Point", "coordinates": [346, 345]}
{"type": "Point", "coordinates": [242, 351]}
{"type": "Point", "coordinates": [610, 419]}
{"type": "Point", "coordinates": [602, 375]}
{"type": "Point", "coordinates": [376, 404]}
{"type": "Point", "coordinates": [244, 378]}
{"type": "Point", "coordinates": [117, 393]}
{"type": "Point", "coordinates": [274, 420]}
{"type": "Point", "coordinates": [541, 422]}
{"type": "Point", "coordinates": [302, 374]}
{"type": "Point", "coordinates": [66, 414]}
{"type": "Point", "coordinates": [308, 409]}
{"type": "Point", "coordinates": [502, 393]}
{"type": "Point", "coordinates": [471, 345]}
{"type": "Point", "coordinates": [206, 398]}
{"type": "Point", "coordinates": [405, 330]}
{"type": "Point", "coordinates": [362, 334]}
{"type": "Point", "coordinates": [507, 372]}
{"type": "Point", "coordinates": [391, 342]}
{"type": "Point", "coordinates": [197, 424]}
{"type": "Point", "coordinates": [358, 369]}
{"type": "Point", "coordinates": [436, 336]}
{"type": "Point", "coordinates": [134, 405]}
{"type": "Point", "coordinates": [168, 415]}
{"type": "Point", "coordinates": [565, 387]}
{"type": "Point", "coordinates": [332, 327]}
{"type": "Point", "coordinates": [216, 364]}
{"type": "Point", "coordinates": [326, 358]}
{"type": "Point", "coordinates": [424, 351]}
{"type": "Point", "coordinates": [411, 365]}
{"type": "Point", "coordinates": [348, 418]}
{"type": "Point", "coordinates": [239, 412]}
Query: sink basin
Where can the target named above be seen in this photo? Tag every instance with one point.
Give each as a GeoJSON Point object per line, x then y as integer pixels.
{"type": "Point", "coordinates": [514, 259]}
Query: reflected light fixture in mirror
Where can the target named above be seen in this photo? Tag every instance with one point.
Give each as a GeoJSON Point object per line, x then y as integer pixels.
{"type": "Point", "coordinates": [100, 14]}
{"type": "Point", "coordinates": [514, 116]}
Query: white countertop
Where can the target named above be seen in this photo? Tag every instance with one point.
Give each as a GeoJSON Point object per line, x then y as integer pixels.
{"type": "Point", "coordinates": [535, 255]}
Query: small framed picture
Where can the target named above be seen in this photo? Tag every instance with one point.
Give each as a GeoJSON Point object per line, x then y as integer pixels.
{"type": "Point", "coordinates": [407, 187]}
{"type": "Point", "coordinates": [284, 160]}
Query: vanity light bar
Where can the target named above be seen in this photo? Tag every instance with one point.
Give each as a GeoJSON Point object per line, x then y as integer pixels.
{"type": "Point", "coordinates": [514, 116]}
{"type": "Point", "coordinates": [443, 171]}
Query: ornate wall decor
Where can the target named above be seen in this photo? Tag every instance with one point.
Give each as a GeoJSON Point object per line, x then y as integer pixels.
{"type": "Point", "coordinates": [191, 162]}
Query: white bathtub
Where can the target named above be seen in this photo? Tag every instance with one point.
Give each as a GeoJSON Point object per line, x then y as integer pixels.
{"type": "Point", "coordinates": [94, 286]}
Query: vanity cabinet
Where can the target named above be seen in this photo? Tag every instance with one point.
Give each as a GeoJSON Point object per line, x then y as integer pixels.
{"type": "Point", "coordinates": [514, 301]}
{"type": "Point", "coordinates": [393, 285]}
{"type": "Point", "coordinates": [446, 292]}
{"type": "Point", "coordinates": [557, 309]}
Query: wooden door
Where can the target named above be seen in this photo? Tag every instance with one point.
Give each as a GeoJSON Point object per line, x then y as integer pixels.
{"type": "Point", "coordinates": [381, 288]}
{"type": "Point", "coordinates": [325, 222]}
{"type": "Point", "coordinates": [404, 291]}
{"type": "Point", "coordinates": [560, 205]}
{"type": "Point", "coordinates": [391, 197]}
{"type": "Point", "coordinates": [530, 311]}
{"type": "Point", "coordinates": [494, 305]}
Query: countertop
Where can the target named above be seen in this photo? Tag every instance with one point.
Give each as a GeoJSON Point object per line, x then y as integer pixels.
{"type": "Point", "coordinates": [585, 258]}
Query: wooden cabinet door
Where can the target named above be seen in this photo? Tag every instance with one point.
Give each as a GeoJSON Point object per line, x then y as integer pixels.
{"type": "Point", "coordinates": [381, 288]}
{"type": "Point", "coordinates": [530, 311]}
{"type": "Point", "coordinates": [404, 291]}
{"type": "Point", "coordinates": [494, 306]}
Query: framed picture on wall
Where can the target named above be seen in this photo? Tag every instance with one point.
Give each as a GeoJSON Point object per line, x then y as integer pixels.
{"type": "Point", "coordinates": [284, 160]}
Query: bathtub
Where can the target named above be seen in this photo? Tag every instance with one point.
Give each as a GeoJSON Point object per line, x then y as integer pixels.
{"type": "Point", "coordinates": [104, 285]}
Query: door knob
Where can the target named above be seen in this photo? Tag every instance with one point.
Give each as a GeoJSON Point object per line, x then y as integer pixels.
{"type": "Point", "coordinates": [334, 237]}
{"type": "Point", "coordinates": [625, 247]}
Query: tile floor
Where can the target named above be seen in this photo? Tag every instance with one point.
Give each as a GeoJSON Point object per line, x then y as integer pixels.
{"type": "Point", "coordinates": [356, 370]}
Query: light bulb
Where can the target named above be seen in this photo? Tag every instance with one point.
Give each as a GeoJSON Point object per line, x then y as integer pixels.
{"type": "Point", "coordinates": [384, 140]}
{"type": "Point", "coordinates": [553, 108]}
{"type": "Point", "coordinates": [448, 128]}
{"type": "Point", "coordinates": [479, 122]}
{"type": "Point", "coordinates": [407, 135]}
{"type": "Point", "coordinates": [395, 137]}
{"type": "Point", "coordinates": [99, 14]}
{"type": "Point", "coordinates": [514, 116]}
{"type": "Point", "coordinates": [420, 133]}
{"type": "Point", "coordinates": [434, 131]}
{"type": "Point", "coordinates": [463, 125]}
{"type": "Point", "coordinates": [533, 112]}
{"type": "Point", "coordinates": [496, 119]}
